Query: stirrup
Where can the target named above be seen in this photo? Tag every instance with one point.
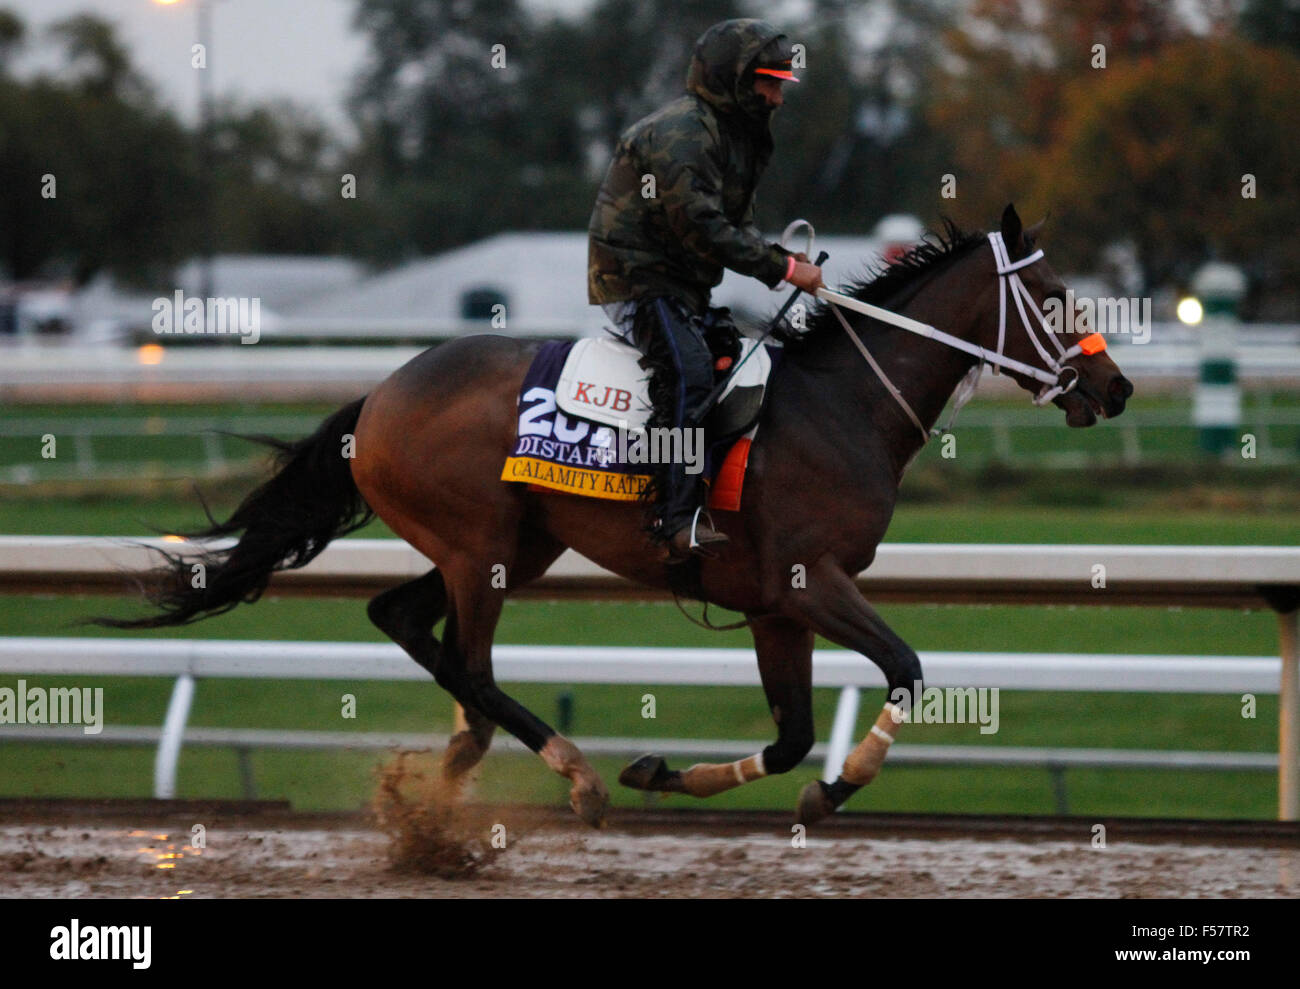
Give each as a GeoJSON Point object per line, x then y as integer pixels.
{"type": "Point", "coordinates": [695, 523]}
{"type": "Point", "coordinates": [693, 544]}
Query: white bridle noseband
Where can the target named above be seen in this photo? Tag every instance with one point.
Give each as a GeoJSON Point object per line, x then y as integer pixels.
{"type": "Point", "coordinates": [1008, 279]}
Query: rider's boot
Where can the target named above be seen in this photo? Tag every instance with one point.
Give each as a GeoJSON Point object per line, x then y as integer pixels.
{"type": "Point", "coordinates": [689, 528]}
{"type": "Point", "coordinates": [672, 335]}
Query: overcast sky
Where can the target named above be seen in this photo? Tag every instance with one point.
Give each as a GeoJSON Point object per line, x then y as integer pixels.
{"type": "Point", "coordinates": [304, 50]}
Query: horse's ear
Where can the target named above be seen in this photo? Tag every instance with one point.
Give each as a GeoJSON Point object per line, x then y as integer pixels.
{"type": "Point", "coordinates": [1011, 229]}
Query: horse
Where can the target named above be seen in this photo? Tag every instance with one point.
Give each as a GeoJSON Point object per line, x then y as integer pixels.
{"type": "Point", "coordinates": [427, 447]}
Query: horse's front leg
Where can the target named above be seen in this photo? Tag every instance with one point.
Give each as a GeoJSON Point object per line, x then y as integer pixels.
{"type": "Point", "coordinates": [833, 607]}
{"type": "Point", "coordinates": [784, 649]}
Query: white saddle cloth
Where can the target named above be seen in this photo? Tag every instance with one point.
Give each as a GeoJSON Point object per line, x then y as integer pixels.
{"type": "Point", "coordinates": [602, 381]}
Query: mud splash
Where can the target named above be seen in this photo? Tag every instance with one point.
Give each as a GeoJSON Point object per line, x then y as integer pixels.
{"type": "Point", "coordinates": [430, 829]}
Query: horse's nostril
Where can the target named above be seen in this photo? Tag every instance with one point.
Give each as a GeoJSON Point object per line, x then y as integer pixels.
{"type": "Point", "coordinates": [1120, 388]}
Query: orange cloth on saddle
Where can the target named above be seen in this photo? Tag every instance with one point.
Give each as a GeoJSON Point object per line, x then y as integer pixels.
{"type": "Point", "coordinates": [725, 493]}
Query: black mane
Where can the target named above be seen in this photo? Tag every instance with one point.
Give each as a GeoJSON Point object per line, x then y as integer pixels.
{"type": "Point", "coordinates": [887, 279]}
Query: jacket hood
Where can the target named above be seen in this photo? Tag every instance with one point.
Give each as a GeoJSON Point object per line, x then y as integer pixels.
{"type": "Point", "coordinates": [722, 54]}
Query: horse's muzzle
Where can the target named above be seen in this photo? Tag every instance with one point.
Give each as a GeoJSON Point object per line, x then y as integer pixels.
{"type": "Point", "coordinates": [1083, 404]}
{"type": "Point", "coordinates": [1118, 393]}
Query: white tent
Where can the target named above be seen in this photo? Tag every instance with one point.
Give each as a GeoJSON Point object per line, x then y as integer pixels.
{"type": "Point", "coordinates": [540, 280]}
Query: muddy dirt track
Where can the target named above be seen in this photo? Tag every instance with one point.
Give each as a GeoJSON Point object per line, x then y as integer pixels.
{"type": "Point", "coordinates": [122, 850]}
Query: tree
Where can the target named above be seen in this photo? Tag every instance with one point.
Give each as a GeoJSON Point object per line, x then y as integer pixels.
{"type": "Point", "coordinates": [119, 169]}
{"type": "Point", "coordinates": [1001, 96]}
{"type": "Point", "coordinates": [854, 141]}
{"type": "Point", "coordinates": [97, 59]}
{"type": "Point", "coordinates": [1272, 22]}
{"type": "Point", "coordinates": [124, 186]}
{"type": "Point", "coordinates": [277, 183]}
{"type": "Point", "coordinates": [480, 116]}
{"type": "Point", "coordinates": [467, 149]}
{"type": "Point", "coordinates": [12, 30]}
{"type": "Point", "coordinates": [1190, 155]}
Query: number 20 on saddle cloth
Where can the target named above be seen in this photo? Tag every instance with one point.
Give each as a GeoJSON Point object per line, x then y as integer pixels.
{"type": "Point", "coordinates": [583, 409]}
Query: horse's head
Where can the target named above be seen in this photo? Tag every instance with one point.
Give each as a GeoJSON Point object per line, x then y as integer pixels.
{"type": "Point", "coordinates": [1089, 383]}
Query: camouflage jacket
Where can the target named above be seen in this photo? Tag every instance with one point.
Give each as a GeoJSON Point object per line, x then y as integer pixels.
{"type": "Point", "coordinates": [677, 204]}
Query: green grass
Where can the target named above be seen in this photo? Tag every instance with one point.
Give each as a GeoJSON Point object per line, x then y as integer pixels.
{"type": "Point", "coordinates": [346, 781]}
{"type": "Point", "coordinates": [926, 627]}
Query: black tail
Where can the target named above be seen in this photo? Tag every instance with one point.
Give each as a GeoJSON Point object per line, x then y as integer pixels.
{"type": "Point", "coordinates": [283, 525]}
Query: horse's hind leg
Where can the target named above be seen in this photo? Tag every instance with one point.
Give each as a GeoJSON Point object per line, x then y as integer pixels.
{"type": "Point", "coordinates": [407, 614]}
{"type": "Point", "coordinates": [475, 608]}
{"type": "Point", "coordinates": [535, 552]}
{"type": "Point", "coordinates": [784, 649]}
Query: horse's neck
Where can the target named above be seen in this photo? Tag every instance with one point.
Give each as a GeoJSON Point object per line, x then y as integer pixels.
{"type": "Point", "coordinates": [928, 372]}
{"type": "Point", "coordinates": [925, 372]}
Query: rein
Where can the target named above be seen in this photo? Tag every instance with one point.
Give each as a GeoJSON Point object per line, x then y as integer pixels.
{"type": "Point", "coordinates": [1051, 377]}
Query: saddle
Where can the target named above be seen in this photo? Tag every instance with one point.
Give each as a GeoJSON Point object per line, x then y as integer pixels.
{"type": "Point", "coordinates": [603, 382]}
{"type": "Point", "coordinates": [582, 406]}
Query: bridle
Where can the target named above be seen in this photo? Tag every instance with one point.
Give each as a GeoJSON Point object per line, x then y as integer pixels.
{"type": "Point", "coordinates": [1053, 376]}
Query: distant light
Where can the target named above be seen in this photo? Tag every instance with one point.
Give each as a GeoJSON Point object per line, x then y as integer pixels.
{"type": "Point", "coordinates": [169, 538]}
{"type": "Point", "coordinates": [150, 353]}
{"type": "Point", "coordinates": [1190, 311]}
{"type": "Point", "coordinates": [166, 3]}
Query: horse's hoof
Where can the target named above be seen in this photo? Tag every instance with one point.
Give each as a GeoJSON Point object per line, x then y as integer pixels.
{"type": "Point", "coordinates": [644, 773]}
{"type": "Point", "coordinates": [590, 803]}
{"type": "Point", "coordinates": [814, 803]}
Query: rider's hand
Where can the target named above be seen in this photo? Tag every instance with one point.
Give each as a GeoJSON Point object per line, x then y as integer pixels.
{"type": "Point", "coordinates": [805, 276]}
{"type": "Point", "coordinates": [801, 256]}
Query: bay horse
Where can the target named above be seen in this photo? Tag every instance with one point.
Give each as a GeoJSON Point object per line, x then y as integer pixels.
{"type": "Point", "coordinates": [823, 477]}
